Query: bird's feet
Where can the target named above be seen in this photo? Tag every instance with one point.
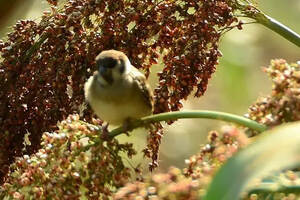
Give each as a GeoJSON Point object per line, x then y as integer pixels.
{"type": "Point", "coordinates": [131, 123]}
{"type": "Point", "coordinates": [127, 125]}
{"type": "Point", "coordinates": [105, 132]}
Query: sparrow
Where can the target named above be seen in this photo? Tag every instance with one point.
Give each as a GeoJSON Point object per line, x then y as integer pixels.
{"type": "Point", "coordinates": [117, 91]}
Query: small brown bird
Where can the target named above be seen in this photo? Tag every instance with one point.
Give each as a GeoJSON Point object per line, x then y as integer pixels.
{"type": "Point", "coordinates": [118, 92]}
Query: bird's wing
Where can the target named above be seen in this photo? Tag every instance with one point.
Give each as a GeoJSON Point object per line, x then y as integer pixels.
{"type": "Point", "coordinates": [139, 81]}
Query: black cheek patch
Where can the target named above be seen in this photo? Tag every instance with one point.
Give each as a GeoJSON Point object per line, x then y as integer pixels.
{"type": "Point", "coordinates": [122, 69]}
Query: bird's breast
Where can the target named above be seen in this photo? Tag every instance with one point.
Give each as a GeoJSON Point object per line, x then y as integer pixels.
{"type": "Point", "coordinates": [117, 113]}
{"type": "Point", "coordinates": [115, 105]}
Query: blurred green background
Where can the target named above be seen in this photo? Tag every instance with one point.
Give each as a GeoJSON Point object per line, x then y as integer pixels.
{"type": "Point", "coordinates": [237, 83]}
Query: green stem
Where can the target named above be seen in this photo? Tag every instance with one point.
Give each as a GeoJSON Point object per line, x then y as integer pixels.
{"type": "Point", "coordinates": [190, 114]}
{"type": "Point", "coordinates": [275, 26]}
{"type": "Point", "coordinates": [178, 115]}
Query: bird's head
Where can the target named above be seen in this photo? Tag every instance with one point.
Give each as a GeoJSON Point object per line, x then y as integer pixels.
{"type": "Point", "coordinates": [112, 66]}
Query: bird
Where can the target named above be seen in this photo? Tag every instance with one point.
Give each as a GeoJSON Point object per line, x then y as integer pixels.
{"type": "Point", "coordinates": [118, 92]}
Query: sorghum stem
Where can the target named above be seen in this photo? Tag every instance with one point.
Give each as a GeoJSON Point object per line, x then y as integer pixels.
{"type": "Point", "coordinates": [188, 115]}
{"type": "Point", "coordinates": [275, 26]}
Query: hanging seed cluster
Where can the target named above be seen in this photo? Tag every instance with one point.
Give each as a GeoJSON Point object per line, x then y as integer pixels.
{"type": "Point", "coordinates": [62, 169]}
{"type": "Point", "coordinates": [44, 64]}
{"type": "Point", "coordinates": [283, 104]}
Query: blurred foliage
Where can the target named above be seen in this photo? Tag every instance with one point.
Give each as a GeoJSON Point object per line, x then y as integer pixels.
{"type": "Point", "coordinates": [237, 82]}
{"type": "Point", "coordinates": [262, 157]}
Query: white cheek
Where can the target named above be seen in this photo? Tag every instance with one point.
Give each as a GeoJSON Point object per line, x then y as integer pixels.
{"type": "Point", "coordinates": [127, 66]}
{"type": "Point", "coordinates": [117, 71]}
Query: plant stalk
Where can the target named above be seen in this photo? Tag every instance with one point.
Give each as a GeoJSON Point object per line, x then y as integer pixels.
{"type": "Point", "coordinates": [206, 114]}
{"type": "Point", "coordinates": [275, 26]}
{"type": "Point", "coordinates": [188, 115]}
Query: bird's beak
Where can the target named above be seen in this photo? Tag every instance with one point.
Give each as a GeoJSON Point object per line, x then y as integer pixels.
{"type": "Point", "coordinates": [106, 74]}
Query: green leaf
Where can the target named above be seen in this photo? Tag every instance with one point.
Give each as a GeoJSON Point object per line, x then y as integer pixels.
{"type": "Point", "coordinates": [275, 149]}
